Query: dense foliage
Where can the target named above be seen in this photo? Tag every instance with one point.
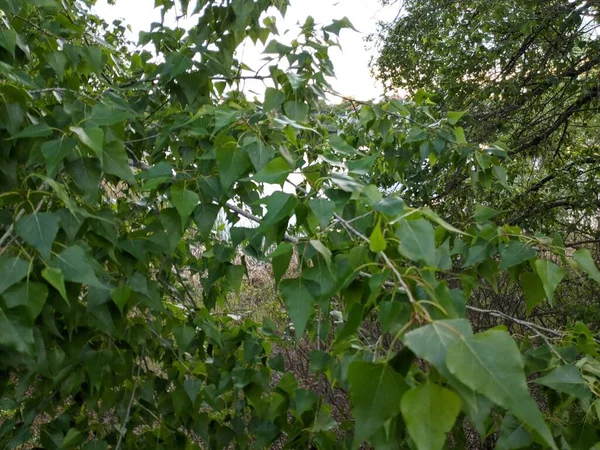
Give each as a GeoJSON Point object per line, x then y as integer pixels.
{"type": "Point", "coordinates": [527, 73]}
{"type": "Point", "coordinates": [116, 163]}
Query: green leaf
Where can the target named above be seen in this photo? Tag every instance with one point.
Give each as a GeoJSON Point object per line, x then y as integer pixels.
{"type": "Point", "coordinates": [500, 174]}
{"type": "Point", "coordinates": [281, 258]}
{"type": "Point", "coordinates": [280, 206]}
{"type": "Point", "coordinates": [57, 280]}
{"type": "Point", "coordinates": [69, 223]}
{"type": "Point", "coordinates": [444, 261]}
{"type": "Point", "coordinates": [115, 162]}
{"type": "Point", "coordinates": [295, 110]}
{"type": "Point", "coordinates": [322, 249]}
{"type": "Point", "coordinates": [514, 253]}
{"type": "Point", "coordinates": [93, 56]}
{"type": "Point", "coordinates": [57, 60]}
{"type": "Point", "coordinates": [12, 271]}
{"type": "Point", "coordinates": [234, 276]}
{"type": "Point", "coordinates": [225, 116]}
{"type": "Point", "coordinates": [490, 363]}
{"type": "Point", "coordinates": [366, 115]}
{"type": "Point", "coordinates": [323, 209]}
{"type": "Point", "coordinates": [483, 159]}
{"type": "Point", "coordinates": [86, 174]}
{"type": "Point", "coordinates": [243, 9]}
{"type": "Point", "coordinates": [432, 341]}
{"type": "Point", "coordinates": [567, 379]}
{"type": "Point", "coordinates": [377, 242]}
{"type": "Point", "coordinates": [346, 183]}
{"type": "Point", "coordinates": [416, 134]}
{"type": "Point", "coordinates": [394, 315]}
{"type": "Point", "coordinates": [430, 412]}
{"type": "Point", "coordinates": [362, 166]}
{"type": "Point", "coordinates": [533, 289]}
{"type": "Point", "coordinates": [183, 336]}
{"type": "Point", "coordinates": [31, 295]}
{"type": "Point", "coordinates": [454, 116]}
{"type": "Point", "coordinates": [273, 99]}
{"type": "Point", "coordinates": [92, 138]}
{"type": "Point", "coordinates": [104, 115]}
{"type": "Point", "coordinates": [121, 296]}
{"type": "Point", "coordinates": [513, 434]}
{"type": "Point", "coordinates": [551, 276]}
{"type": "Point", "coordinates": [323, 422]}
{"type": "Point", "coordinates": [73, 438]}
{"type": "Point", "coordinates": [417, 241]}
{"type": "Point", "coordinates": [95, 445]}
{"type": "Point", "coordinates": [15, 335]}
{"type": "Point", "coordinates": [483, 213]}
{"type": "Point", "coordinates": [39, 230]}
{"type": "Point", "coordinates": [184, 201]}
{"type": "Point", "coordinates": [337, 25]}
{"type": "Point", "coordinates": [585, 262]}
{"type": "Point", "coordinates": [276, 172]}
{"type": "Point", "coordinates": [171, 221]}
{"type": "Point", "coordinates": [232, 163]}
{"type": "Point", "coordinates": [192, 386]}
{"type": "Point", "coordinates": [459, 134]}
{"type": "Point", "coordinates": [340, 145]}
{"type": "Point", "coordinates": [260, 154]}
{"type": "Point", "coordinates": [156, 175]}
{"type": "Point", "coordinates": [375, 393]}
{"type": "Point", "coordinates": [296, 80]}
{"type": "Point", "coordinates": [479, 252]}
{"type": "Point", "coordinates": [176, 63]}
{"type": "Point", "coordinates": [299, 302]}
{"type": "Point", "coordinates": [390, 206]}
{"type": "Point", "coordinates": [8, 40]}
{"type": "Point", "coordinates": [33, 131]}
{"type": "Point", "coordinates": [55, 151]}
{"type": "Point", "coordinates": [204, 217]}
{"type": "Point", "coordinates": [76, 267]}
{"type": "Point", "coordinates": [427, 212]}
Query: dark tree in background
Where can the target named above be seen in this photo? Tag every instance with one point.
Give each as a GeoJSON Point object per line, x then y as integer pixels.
{"type": "Point", "coordinates": [527, 73]}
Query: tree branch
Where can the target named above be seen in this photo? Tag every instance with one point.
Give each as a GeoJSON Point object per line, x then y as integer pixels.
{"type": "Point", "coordinates": [575, 107]}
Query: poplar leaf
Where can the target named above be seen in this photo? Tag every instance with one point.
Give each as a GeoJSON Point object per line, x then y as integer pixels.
{"type": "Point", "coordinates": [375, 392]}
{"type": "Point", "coordinates": [430, 412]}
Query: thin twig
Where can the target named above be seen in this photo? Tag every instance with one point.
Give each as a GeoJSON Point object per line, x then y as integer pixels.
{"type": "Point", "coordinates": [185, 288]}
{"type": "Point", "coordinates": [258, 220]}
{"type": "Point", "coordinates": [46, 32]}
{"type": "Point", "coordinates": [501, 315]}
{"type": "Point", "coordinates": [147, 138]}
{"type": "Point", "coordinates": [128, 413]}
{"type": "Point", "coordinates": [60, 89]}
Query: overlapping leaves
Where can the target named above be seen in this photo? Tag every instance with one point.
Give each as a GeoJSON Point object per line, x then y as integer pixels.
{"type": "Point", "coordinates": [137, 189]}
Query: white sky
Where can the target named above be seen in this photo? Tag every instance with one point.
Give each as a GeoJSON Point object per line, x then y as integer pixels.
{"type": "Point", "coordinates": [351, 63]}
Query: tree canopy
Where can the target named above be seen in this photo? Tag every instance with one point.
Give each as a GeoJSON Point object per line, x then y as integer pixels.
{"type": "Point", "coordinates": [526, 73]}
{"type": "Point", "coordinates": [122, 161]}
